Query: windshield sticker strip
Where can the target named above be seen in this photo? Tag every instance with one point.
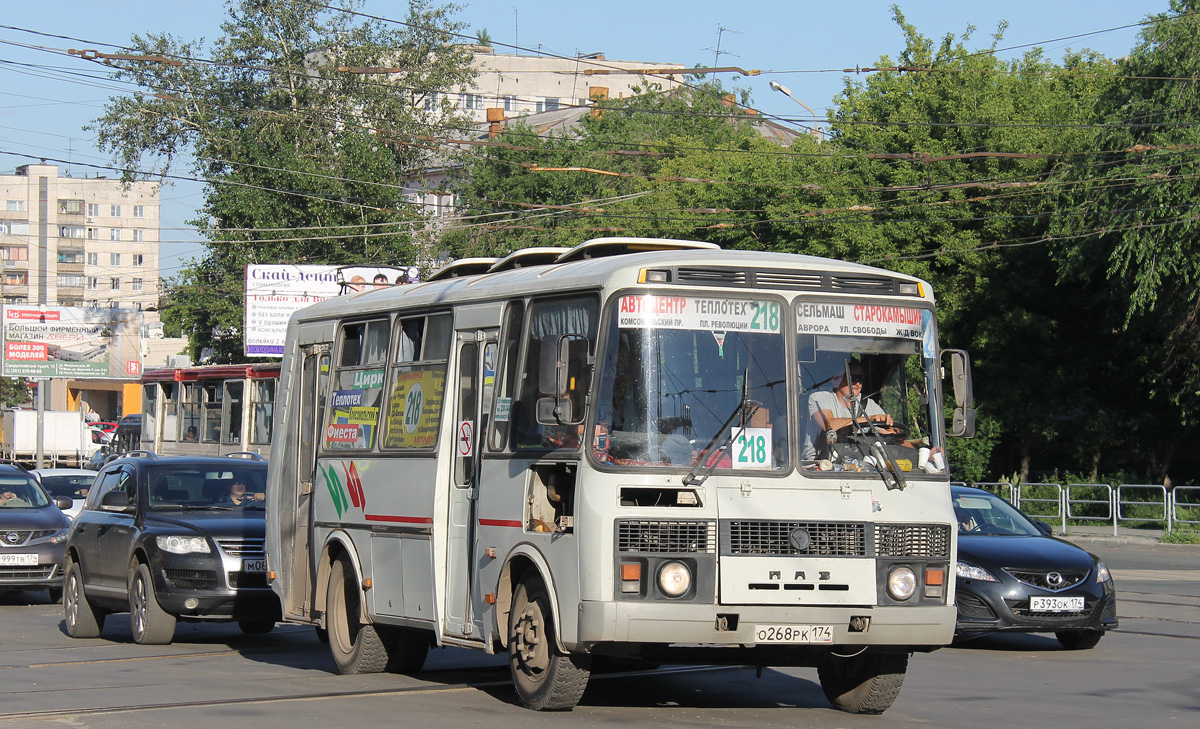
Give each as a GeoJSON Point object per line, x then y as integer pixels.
{"type": "Point", "coordinates": [897, 322]}
{"type": "Point", "coordinates": [695, 313]}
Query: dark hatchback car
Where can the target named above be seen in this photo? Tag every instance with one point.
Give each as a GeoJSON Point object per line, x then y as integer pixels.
{"type": "Point", "coordinates": [33, 534]}
{"type": "Point", "coordinates": [162, 539]}
{"type": "Point", "coordinates": [1013, 576]}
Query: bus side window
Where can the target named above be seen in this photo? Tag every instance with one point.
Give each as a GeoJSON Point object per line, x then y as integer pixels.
{"type": "Point", "coordinates": [213, 395]}
{"type": "Point", "coordinates": [548, 320]}
{"type": "Point", "coordinates": [505, 406]}
{"type": "Point", "coordinates": [169, 393]}
{"type": "Point", "coordinates": [417, 383]}
{"type": "Point", "coordinates": [234, 411]}
{"type": "Point", "coordinates": [353, 415]}
{"type": "Point", "coordinates": [262, 407]}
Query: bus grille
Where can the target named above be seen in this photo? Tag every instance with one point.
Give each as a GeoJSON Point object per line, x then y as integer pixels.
{"type": "Point", "coordinates": [789, 538]}
{"type": "Point", "coordinates": [834, 539]}
{"type": "Point", "coordinates": [912, 540]}
{"type": "Point", "coordinates": [640, 535]}
{"type": "Point", "coordinates": [712, 276]}
{"type": "Point", "coordinates": [780, 278]}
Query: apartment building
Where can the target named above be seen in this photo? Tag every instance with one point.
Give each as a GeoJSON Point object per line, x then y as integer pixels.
{"type": "Point", "coordinates": [521, 85]}
{"type": "Point", "coordinates": [72, 241]}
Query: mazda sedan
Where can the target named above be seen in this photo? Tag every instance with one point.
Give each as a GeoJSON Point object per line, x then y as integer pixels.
{"type": "Point", "coordinates": [1014, 577]}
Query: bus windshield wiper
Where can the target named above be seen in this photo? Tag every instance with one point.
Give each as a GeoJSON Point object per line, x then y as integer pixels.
{"type": "Point", "coordinates": [745, 409]}
{"type": "Point", "coordinates": [887, 467]}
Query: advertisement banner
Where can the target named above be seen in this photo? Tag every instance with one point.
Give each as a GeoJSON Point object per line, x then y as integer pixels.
{"type": "Point", "coordinates": [274, 292]}
{"type": "Point", "coordinates": [70, 341]}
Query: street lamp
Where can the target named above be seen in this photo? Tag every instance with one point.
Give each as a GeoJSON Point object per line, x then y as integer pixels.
{"type": "Point", "coordinates": [776, 86]}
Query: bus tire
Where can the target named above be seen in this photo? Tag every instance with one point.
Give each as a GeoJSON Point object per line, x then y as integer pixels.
{"type": "Point", "coordinates": [151, 625]}
{"type": "Point", "coordinates": [256, 626]}
{"type": "Point", "coordinates": [407, 649]}
{"type": "Point", "coordinates": [864, 684]}
{"type": "Point", "coordinates": [544, 678]}
{"type": "Point", "coordinates": [355, 647]}
{"type": "Point", "coordinates": [83, 620]}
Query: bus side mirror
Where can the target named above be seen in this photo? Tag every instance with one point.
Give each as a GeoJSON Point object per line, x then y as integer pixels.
{"type": "Point", "coordinates": [552, 369]}
{"type": "Point", "coordinates": [562, 362]}
{"type": "Point", "coordinates": [963, 421]}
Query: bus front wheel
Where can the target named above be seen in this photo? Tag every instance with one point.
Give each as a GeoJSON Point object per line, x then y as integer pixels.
{"type": "Point", "coordinates": [355, 647]}
{"type": "Point", "coordinates": [864, 684]}
{"type": "Point", "coordinates": [545, 679]}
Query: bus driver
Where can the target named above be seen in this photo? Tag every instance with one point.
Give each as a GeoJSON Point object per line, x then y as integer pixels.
{"type": "Point", "coordinates": [831, 411]}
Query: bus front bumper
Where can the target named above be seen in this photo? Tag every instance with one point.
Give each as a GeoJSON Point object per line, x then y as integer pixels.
{"type": "Point", "coordinates": [722, 625]}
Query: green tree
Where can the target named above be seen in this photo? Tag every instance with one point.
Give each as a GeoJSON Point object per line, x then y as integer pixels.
{"type": "Point", "coordinates": [303, 151]}
{"type": "Point", "coordinates": [14, 391]}
{"type": "Point", "coordinates": [606, 174]}
{"type": "Point", "coordinates": [960, 166]}
{"type": "Point", "coordinates": [1136, 232]}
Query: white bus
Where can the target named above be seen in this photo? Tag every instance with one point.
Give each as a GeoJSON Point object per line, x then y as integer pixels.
{"type": "Point", "coordinates": [604, 455]}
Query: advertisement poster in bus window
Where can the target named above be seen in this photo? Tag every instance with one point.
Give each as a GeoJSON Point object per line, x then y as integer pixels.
{"type": "Point", "coordinates": [354, 410]}
{"type": "Point", "coordinates": [414, 409]}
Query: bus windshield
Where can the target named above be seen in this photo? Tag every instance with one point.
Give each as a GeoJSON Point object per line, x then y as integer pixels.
{"type": "Point", "coordinates": [866, 375]}
{"type": "Point", "coordinates": [686, 379]}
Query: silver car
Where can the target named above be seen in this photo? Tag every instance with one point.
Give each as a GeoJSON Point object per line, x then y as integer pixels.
{"type": "Point", "coordinates": [68, 483]}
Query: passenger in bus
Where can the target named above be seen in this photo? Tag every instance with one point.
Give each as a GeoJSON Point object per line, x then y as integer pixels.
{"type": "Point", "coordinates": [191, 433]}
{"type": "Point", "coordinates": [831, 410]}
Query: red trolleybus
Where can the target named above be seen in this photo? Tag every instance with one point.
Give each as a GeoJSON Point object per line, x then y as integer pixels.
{"type": "Point", "coordinates": [209, 411]}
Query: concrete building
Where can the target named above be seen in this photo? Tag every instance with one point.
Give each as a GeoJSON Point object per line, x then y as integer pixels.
{"type": "Point", "coordinates": [78, 241]}
{"type": "Point", "coordinates": [520, 85]}
{"type": "Point", "coordinates": [83, 241]}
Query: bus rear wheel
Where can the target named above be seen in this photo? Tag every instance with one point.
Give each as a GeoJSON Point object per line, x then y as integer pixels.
{"type": "Point", "coordinates": [355, 647]}
{"type": "Point", "coordinates": [864, 684]}
{"type": "Point", "coordinates": [544, 678]}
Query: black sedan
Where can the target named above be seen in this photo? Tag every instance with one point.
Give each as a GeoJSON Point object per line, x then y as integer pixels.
{"type": "Point", "coordinates": [1013, 576]}
{"type": "Point", "coordinates": [168, 539]}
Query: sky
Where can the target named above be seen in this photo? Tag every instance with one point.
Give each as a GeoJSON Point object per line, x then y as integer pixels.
{"type": "Point", "coordinates": [803, 45]}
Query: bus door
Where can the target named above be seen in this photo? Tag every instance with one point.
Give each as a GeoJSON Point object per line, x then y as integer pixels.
{"type": "Point", "coordinates": [307, 412]}
{"type": "Point", "coordinates": [475, 376]}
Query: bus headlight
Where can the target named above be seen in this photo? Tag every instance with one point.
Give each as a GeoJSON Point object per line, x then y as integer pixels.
{"type": "Point", "coordinates": [902, 583]}
{"type": "Point", "coordinates": [674, 579]}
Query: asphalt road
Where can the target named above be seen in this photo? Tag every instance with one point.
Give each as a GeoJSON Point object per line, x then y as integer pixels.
{"type": "Point", "coordinates": [1145, 675]}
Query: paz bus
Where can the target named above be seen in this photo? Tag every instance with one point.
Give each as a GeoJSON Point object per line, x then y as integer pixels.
{"type": "Point", "coordinates": [209, 411]}
{"type": "Point", "coordinates": [603, 455]}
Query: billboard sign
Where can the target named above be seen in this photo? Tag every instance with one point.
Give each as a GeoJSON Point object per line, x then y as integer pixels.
{"type": "Point", "coordinates": [72, 342]}
{"type": "Point", "coordinates": [274, 292]}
